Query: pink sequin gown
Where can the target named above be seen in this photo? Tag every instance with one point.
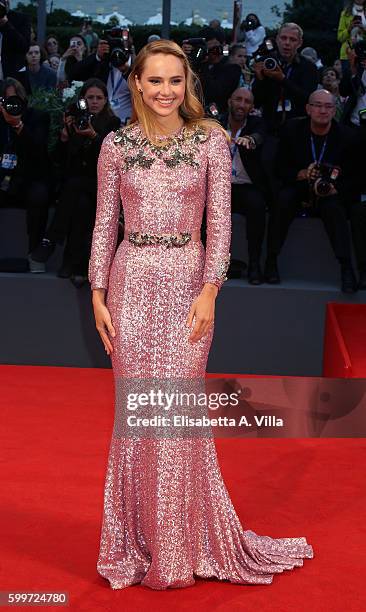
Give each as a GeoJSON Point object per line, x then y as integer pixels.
{"type": "Point", "coordinates": [167, 513]}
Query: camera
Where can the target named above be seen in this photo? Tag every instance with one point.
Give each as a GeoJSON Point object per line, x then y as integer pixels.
{"type": "Point", "coordinates": [198, 53]}
{"type": "Point", "coordinates": [360, 49]}
{"type": "Point", "coordinates": [250, 24]}
{"type": "Point", "coordinates": [4, 8]}
{"type": "Point", "coordinates": [212, 111]}
{"type": "Point", "coordinates": [79, 110]}
{"type": "Point", "coordinates": [13, 105]}
{"type": "Point", "coordinates": [267, 54]}
{"type": "Point", "coordinates": [329, 174]}
{"type": "Point", "coordinates": [118, 40]}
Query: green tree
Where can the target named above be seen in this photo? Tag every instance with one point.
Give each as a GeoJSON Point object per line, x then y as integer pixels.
{"type": "Point", "coordinates": [322, 15]}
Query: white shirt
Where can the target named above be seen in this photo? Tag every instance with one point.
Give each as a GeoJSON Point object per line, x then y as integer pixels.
{"type": "Point", "coordinates": [254, 38]}
{"type": "Point", "coordinates": [239, 175]}
{"type": "Point", "coordinates": [119, 94]}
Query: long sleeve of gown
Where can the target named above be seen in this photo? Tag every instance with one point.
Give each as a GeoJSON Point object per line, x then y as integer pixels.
{"type": "Point", "coordinates": [106, 222]}
{"type": "Point", "coordinates": [218, 205]}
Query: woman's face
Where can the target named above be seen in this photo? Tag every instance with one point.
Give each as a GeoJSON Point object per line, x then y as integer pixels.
{"type": "Point", "coordinates": [163, 84]}
{"type": "Point", "coordinates": [338, 67]}
{"type": "Point", "coordinates": [240, 57]}
{"type": "Point", "coordinates": [96, 100]}
{"type": "Point", "coordinates": [329, 79]}
{"type": "Point", "coordinates": [52, 46]}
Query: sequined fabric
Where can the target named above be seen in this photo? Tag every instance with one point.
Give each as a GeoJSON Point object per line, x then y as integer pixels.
{"type": "Point", "coordinates": [167, 513]}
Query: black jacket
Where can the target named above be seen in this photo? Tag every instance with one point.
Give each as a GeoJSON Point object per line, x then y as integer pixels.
{"type": "Point", "coordinates": [15, 44]}
{"type": "Point", "coordinates": [350, 87]}
{"type": "Point", "coordinates": [30, 146]}
{"type": "Point", "coordinates": [219, 82]}
{"type": "Point", "coordinates": [79, 155]}
{"type": "Point", "coordinates": [343, 147]}
{"type": "Point", "coordinates": [297, 87]}
{"type": "Point", "coordinates": [251, 158]}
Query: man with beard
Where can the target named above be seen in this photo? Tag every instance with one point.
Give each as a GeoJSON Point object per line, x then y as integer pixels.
{"type": "Point", "coordinates": [248, 192]}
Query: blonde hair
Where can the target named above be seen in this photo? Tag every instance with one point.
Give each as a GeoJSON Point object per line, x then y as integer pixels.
{"type": "Point", "coordinates": [191, 109]}
{"type": "Point", "coordinates": [292, 26]}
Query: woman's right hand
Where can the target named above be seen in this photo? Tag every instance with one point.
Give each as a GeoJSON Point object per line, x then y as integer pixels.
{"type": "Point", "coordinates": [103, 321]}
{"type": "Point", "coordinates": [70, 51]}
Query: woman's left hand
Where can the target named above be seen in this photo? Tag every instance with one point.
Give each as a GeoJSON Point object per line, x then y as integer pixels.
{"type": "Point", "coordinates": [88, 133]}
{"type": "Point", "coordinates": [203, 309]}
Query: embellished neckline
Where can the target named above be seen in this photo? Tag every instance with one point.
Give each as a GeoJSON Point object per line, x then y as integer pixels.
{"type": "Point", "coordinates": [181, 148]}
{"type": "Point", "coordinates": [168, 136]}
{"type": "Point", "coordinates": [168, 140]}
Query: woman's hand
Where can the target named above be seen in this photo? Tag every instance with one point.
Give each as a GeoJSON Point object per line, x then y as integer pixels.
{"type": "Point", "coordinates": [203, 309]}
{"type": "Point", "coordinates": [88, 133]}
{"type": "Point", "coordinates": [103, 320]}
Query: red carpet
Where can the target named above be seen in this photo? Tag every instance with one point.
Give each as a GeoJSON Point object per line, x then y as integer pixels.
{"type": "Point", "coordinates": [55, 434]}
{"type": "Point", "coordinates": [345, 341]}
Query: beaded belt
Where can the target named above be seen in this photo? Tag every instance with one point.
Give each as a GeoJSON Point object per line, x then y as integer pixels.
{"type": "Point", "coordinates": [169, 240]}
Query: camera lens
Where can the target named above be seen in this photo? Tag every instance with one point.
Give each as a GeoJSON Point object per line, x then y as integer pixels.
{"type": "Point", "coordinates": [270, 63]}
{"type": "Point", "coordinates": [322, 187]}
{"type": "Point", "coordinates": [14, 105]}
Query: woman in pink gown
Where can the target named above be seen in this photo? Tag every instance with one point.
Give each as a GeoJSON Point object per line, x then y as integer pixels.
{"type": "Point", "coordinates": [167, 514]}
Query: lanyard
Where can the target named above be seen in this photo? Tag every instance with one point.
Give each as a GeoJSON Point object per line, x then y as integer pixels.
{"type": "Point", "coordinates": [288, 71]}
{"type": "Point", "coordinates": [119, 83]}
{"type": "Point", "coordinates": [320, 159]}
{"type": "Point", "coordinates": [233, 149]}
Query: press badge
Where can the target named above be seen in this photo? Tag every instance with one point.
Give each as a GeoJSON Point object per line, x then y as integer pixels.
{"type": "Point", "coordinates": [9, 161]}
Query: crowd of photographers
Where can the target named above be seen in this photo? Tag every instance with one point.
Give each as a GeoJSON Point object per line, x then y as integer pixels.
{"type": "Point", "coordinates": [297, 135]}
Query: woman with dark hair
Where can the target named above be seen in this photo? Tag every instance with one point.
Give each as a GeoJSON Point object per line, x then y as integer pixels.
{"type": "Point", "coordinates": [238, 55]}
{"type": "Point", "coordinates": [353, 16]}
{"type": "Point", "coordinates": [52, 46]}
{"type": "Point", "coordinates": [78, 150]}
{"type": "Point", "coordinates": [253, 33]}
{"type": "Point", "coordinates": [76, 52]}
{"type": "Point", "coordinates": [167, 516]}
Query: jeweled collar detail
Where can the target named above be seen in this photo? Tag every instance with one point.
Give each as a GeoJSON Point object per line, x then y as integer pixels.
{"type": "Point", "coordinates": [140, 151]}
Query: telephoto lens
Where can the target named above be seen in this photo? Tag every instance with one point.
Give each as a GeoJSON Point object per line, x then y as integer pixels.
{"type": "Point", "coordinates": [13, 105]}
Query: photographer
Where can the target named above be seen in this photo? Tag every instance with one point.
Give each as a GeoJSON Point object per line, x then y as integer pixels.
{"type": "Point", "coordinates": [85, 126]}
{"type": "Point", "coordinates": [15, 37]}
{"type": "Point", "coordinates": [352, 17]}
{"type": "Point", "coordinates": [353, 85]}
{"type": "Point", "coordinates": [318, 164]}
{"type": "Point", "coordinates": [73, 56]}
{"type": "Point", "coordinates": [24, 160]}
{"type": "Point", "coordinates": [248, 195]}
{"type": "Point", "coordinates": [218, 77]}
{"type": "Point", "coordinates": [253, 33]}
{"type": "Point", "coordinates": [282, 90]}
{"type": "Point", "coordinates": [111, 64]}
